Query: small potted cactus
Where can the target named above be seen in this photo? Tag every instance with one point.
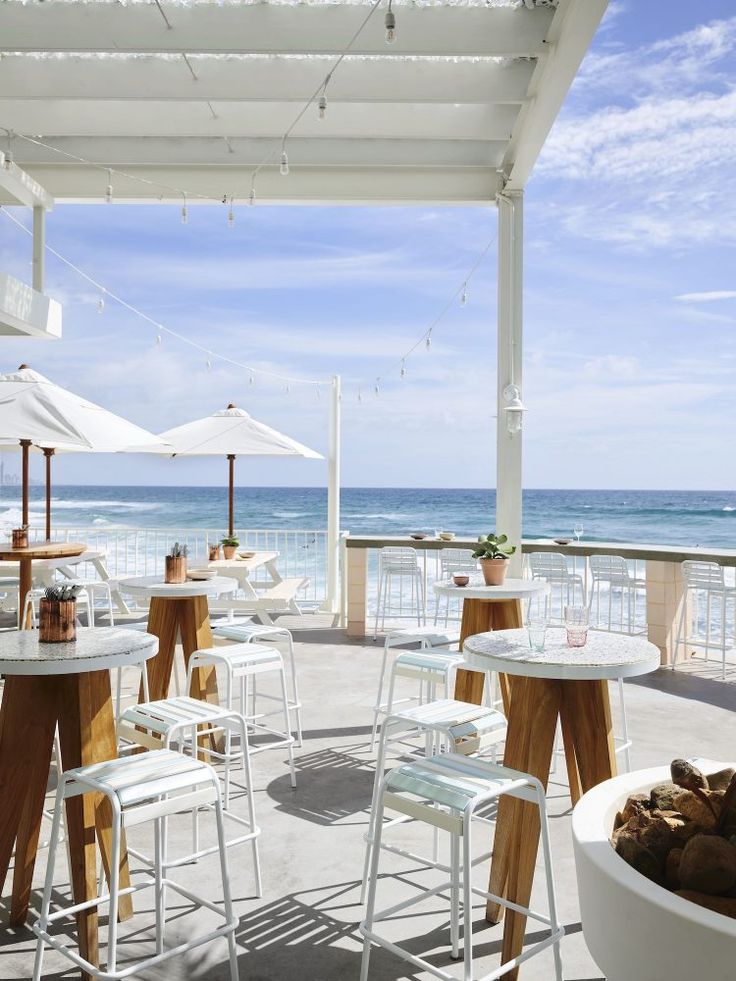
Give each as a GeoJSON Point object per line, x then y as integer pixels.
{"type": "Point", "coordinates": [229, 546]}
{"type": "Point", "coordinates": [493, 554]}
{"type": "Point", "coordinates": [176, 563]}
{"type": "Point", "coordinates": [57, 622]}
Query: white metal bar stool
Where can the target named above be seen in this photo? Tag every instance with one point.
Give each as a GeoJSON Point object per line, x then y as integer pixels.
{"type": "Point", "coordinates": [448, 725]}
{"type": "Point", "coordinates": [446, 792]}
{"type": "Point", "coordinates": [241, 663]}
{"type": "Point", "coordinates": [428, 638]}
{"type": "Point", "coordinates": [613, 571]}
{"type": "Point", "coordinates": [704, 580]}
{"type": "Point", "coordinates": [552, 568]}
{"type": "Point", "coordinates": [245, 632]}
{"type": "Point", "coordinates": [452, 560]}
{"type": "Point", "coordinates": [399, 564]}
{"type": "Point", "coordinates": [149, 787]}
{"type": "Point", "coordinates": [186, 724]}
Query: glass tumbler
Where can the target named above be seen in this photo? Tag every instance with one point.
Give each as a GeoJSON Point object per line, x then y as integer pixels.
{"type": "Point", "coordinates": [576, 624]}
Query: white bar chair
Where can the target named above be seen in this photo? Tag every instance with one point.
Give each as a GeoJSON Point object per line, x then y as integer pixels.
{"type": "Point", "coordinates": [451, 561]}
{"type": "Point", "coordinates": [704, 580]}
{"type": "Point", "coordinates": [399, 564]}
{"type": "Point", "coordinates": [150, 787]}
{"type": "Point", "coordinates": [446, 792]}
{"type": "Point", "coordinates": [613, 571]}
{"type": "Point", "coordinates": [246, 632]}
{"type": "Point", "coordinates": [242, 663]}
{"type": "Point", "coordinates": [188, 725]}
{"type": "Point", "coordinates": [552, 568]}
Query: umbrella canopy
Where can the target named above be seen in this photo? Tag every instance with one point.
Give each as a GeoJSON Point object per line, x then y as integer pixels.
{"type": "Point", "coordinates": [232, 432]}
{"type": "Point", "coordinates": [34, 410]}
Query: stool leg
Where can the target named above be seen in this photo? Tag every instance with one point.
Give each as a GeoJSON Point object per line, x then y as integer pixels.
{"type": "Point", "coordinates": [248, 776]}
{"type": "Point", "coordinates": [455, 896]}
{"type": "Point", "coordinates": [43, 922]}
{"type": "Point", "coordinates": [372, 882]}
{"type": "Point", "coordinates": [158, 862]}
{"type": "Point", "coordinates": [381, 680]}
{"type": "Point", "coordinates": [549, 877]}
{"type": "Point", "coordinates": [287, 730]}
{"type": "Point", "coordinates": [386, 732]}
{"type": "Point", "coordinates": [467, 899]}
{"type": "Point", "coordinates": [295, 690]}
{"type": "Point", "coordinates": [624, 726]}
{"type": "Point", "coordinates": [112, 930]}
{"type": "Point", "coordinates": [227, 899]}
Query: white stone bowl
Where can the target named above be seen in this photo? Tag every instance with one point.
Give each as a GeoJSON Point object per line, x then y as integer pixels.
{"type": "Point", "coordinates": [634, 929]}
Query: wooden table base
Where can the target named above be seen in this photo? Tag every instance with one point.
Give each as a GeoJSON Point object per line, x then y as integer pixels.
{"type": "Point", "coordinates": [32, 707]}
{"type": "Point", "coordinates": [535, 706]}
{"type": "Point", "coordinates": [480, 616]}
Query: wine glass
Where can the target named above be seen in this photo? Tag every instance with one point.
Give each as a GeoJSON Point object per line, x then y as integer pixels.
{"type": "Point", "coordinates": [578, 529]}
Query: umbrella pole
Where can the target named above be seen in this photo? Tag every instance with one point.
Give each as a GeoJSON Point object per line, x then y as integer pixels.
{"type": "Point", "coordinates": [25, 446]}
{"type": "Point", "coordinates": [231, 502]}
{"type": "Point", "coordinates": [48, 453]}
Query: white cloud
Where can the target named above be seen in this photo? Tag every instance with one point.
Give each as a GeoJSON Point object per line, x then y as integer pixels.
{"type": "Point", "coordinates": [706, 297]}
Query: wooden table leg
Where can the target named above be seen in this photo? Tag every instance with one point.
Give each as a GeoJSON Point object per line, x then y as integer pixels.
{"type": "Point", "coordinates": [587, 707]}
{"type": "Point", "coordinates": [196, 633]}
{"type": "Point", "coordinates": [163, 621]}
{"type": "Point", "coordinates": [27, 724]}
{"type": "Point", "coordinates": [479, 616]}
{"type": "Point", "coordinates": [87, 734]}
{"type": "Point", "coordinates": [25, 582]}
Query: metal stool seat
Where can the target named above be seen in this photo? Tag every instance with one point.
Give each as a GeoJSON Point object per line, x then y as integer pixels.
{"type": "Point", "coordinates": [446, 792]}
{"type": "Point", "coordinates": [150, 787]}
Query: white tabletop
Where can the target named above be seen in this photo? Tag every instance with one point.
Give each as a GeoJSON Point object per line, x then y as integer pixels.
{"type": "Point", "coordinates": [477, 589]}
{"type": "Point", "coordinates": [605, 655]}
{"type": "Point", "coordinates": [153, 586]}
{"type": "Point", "coordinates": [239, 564]}
{"type": "Point", "coordinates": [95, 649]}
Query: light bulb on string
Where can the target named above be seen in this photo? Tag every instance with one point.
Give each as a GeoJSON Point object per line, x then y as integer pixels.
{"type": "Point", "coordinates": [464, 295]}
{"type": "Point", "coordinates": [158, 337]}
{"type": "Point", "coordinates": [403, 368]}
{"type": "Point", "coordinates": [101, 305]}
{"type": "Point", "coordinates": [108, 192]}
{"type": "Point", "coordinates": [322, 106]}
{"type": "Point", "coordinates": [377, 386]}
{"type": "Point", "coordinates": [360, 395]}
{"type": "Point", "coordinates": [209, 362]}
{"type": "Point", "coordinates": [390, 22]}
{"type": "Point", "coordinates": [284, 168]}
{"type": "Point", "coordinates": [252, 195]}
{"type": "Point", "coordinates": [184, 212]}
{"type": "Point", "coordinates": [230, 215]}
{"type": "Point", "coordinates": [428, 341]}
{"type": "Point", "coordinates": [252, 380]}
{"type": "Point", "coordinates": [319, 392]}
{"type": "Point", "coordinates": [288, 389]}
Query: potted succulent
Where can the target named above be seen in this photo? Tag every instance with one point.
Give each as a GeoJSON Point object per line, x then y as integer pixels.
{"type": "Point", "coordinates": [493, 554]}
{"type": "Point", "coordinates": [176, 563]}
{"type": "Point", "coordinates": [57, 620]}
{"type": "Point", "coordinates": [229, 546]}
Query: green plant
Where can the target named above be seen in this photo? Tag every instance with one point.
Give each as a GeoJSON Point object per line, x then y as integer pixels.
{"type": "Point", "coordinates": [178, 551]}
{"type": "Point", "coordinates": [60, 593]}
{"type": "Point", "coordinates": [492, 547]}
{"type": "Point", "coordinates": [230, 540]}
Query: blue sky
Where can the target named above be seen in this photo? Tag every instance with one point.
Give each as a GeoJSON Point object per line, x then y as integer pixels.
{"type": "Point", "coordinates": [630, 299]}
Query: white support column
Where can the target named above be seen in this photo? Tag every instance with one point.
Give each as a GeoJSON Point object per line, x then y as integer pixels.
{"type": "Point", "coordinates": [510, 318]}
{"type": "Point", "coordinates": [39, 247]}
{"type": "Point", "coordinates": [332, 603]}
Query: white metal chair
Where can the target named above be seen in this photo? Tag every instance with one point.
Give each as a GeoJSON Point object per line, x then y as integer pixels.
{"type": "Point", "coordinates": [612, 571]}
{"type": "Point", "coordinates": [705, 582]}
{"type": "Point", "coordinates": [428, 638]}
{"type": "Point", "coordinates": [85, 600]}
{"type": "Point", "coordinates": [399, 565]}
{"type": "Point", "coordinates": [150, 787]}
{"type": "Point", "coordinates": [447, 725]}
{"type": "Point", "coordinates": [189, 725]}
{"type": "Point", "coordinates": [452, 560]}
{"type": "Point", "coordinates": [447, 792]}
{"type": "Point", "coordinates": [247, 632]}
{"type": "Point", "coordinates": [242, 663]}
{"type": "Point", "coordinates": [552, 568]}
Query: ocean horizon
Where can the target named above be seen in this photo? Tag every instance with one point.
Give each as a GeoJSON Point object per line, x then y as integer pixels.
{"type": "Point", "coordinates": [686, 518]}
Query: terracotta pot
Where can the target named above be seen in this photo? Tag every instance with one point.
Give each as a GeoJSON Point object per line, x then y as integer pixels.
{"type": "Point", "coordinates": [494, 571]}
{"type": "Point", "coordinates": [215, 553]}
{"type": "Point", "coordinates": [176, 568]}
{"type": "Point", "coordinates": [57, 621]}
{"type": "Point", "coordinates": [20, 538]}
{"type": "Point", "coordinates": [230, 551]}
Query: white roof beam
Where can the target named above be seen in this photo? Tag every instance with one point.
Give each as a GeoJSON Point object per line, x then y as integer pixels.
{"type": "Point", "coordinates": [18, 187]}
{"type": "Point", "coordinates": [272, 28]}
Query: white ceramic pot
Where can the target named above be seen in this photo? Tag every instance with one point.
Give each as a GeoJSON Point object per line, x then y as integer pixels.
{"type": "Point", "coordinates": [634, 929]}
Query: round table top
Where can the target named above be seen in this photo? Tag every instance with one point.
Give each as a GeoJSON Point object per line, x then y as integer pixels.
{"type": "Point", "coordinates": [605, 655]}
{"type": "Point", "coordinates": [477, 589]}
{"type": "Point", "coordinates": [154, 586]}
{"type": "Point", "coordinates": [41, 550]}
{"type": "Point", "coordinates": [95, 649]}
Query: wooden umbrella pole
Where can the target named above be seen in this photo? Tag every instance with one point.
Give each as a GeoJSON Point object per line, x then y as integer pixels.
{"type": "Point", "coordinates": [48, 453]}
{"type": "Point", "coordinates": [231, 494]}
{"type": "Point", "coordinates": [26, 446]}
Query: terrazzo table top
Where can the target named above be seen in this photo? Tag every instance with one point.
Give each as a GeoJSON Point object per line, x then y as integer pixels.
{"type": "Point", "coordinates": [477, 589]}
{"type": "Point", "coordinates": [155, 586]}
{"type": "Point", "coordinates": [605, 655]}
{"type": "Point", "coordinates": [95, 649]}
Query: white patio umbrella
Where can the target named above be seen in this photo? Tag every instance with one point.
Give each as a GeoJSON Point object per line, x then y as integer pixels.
{"type": "Point", "coordinates": [232, 432]}
{"type": "Point", "coordinates": [36, 412]}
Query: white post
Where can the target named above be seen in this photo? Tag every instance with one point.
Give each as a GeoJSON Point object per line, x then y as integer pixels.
{"type": "Point", "coordinates": [508, 445]}
{"type": "Point", "coordinates": [332, 603]}
{"type": "Point", "coordinates": [39, 247]}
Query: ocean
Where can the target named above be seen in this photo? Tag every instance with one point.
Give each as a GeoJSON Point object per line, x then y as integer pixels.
{"type": "Point", "coordinates": [665, 517]}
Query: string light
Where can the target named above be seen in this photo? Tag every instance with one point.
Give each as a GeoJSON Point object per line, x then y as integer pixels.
{"type": "Point", "coordinates": [284, 168]}
{"type": "Point", "coordinates": [403, 368]}
{"type": "Point", "coordinates": [464, 295]}
{"type": "Point", "coordinates": [209, 363]}
{"type": "Point", "coordinates": [230, 215]}
{"type": "Point", "coordinates": [158, 337]}
{"type": "Point", "coordinates": [101, 305]}
{"type": "Point", "coordinates": [390, 22]}
{"type": "Point", "coordinates": [252, 380]}
{"type": "Point", "coordinates": [428, 342]}
{"type": "Point", "coordinates": [377, 386]}
{"type": "Point", "coordinates": [108, 192]}
{"type": "Point", "coordinates": [360, 395]}
{"type": "Point", "coordinates": [184, 211]}
{"type": "Point", "coordinates": [322, 106]}
{"type": "Point", "coordinates": [252, 195]}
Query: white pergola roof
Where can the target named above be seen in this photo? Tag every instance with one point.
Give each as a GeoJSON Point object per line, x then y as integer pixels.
{"type": "Point", "coordinates": [461, 103]}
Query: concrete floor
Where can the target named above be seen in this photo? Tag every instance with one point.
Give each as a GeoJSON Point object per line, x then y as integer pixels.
{"type": "Point", "coordinates": [312, 838]}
